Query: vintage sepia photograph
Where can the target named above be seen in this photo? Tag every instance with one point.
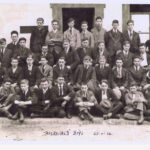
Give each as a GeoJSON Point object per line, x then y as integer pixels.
{"type": "Point", "coordinates": [75, 72]}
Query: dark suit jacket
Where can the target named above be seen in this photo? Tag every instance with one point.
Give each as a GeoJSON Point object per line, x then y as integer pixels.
{"type": "Point", "coordinates": [15, 77]}
{"type": "Point", "coordinates": [5, 58]}
{"type": "Point", "coordinates": [134, 42]}
{"type": "Point", "coordinates": [127, 61]}
{"type": "Point", "coordinates": [81, 53]}
{"type": "Point", "coordinates": [32, 76]}
{"type": "Point", "coordinates": [56, 99]}
{"type": "Point", "coordinates": [72, 59]}
{"type": "Point", "coordinates": [110, 95]}
{"type": "Point", "coordinates": [115, 81]}
{"type": "Point", "coordinates": [79, 75]}
{"type": "Point", "coordinates": [66, 73]}
{"type": "Point", "coordinates": [37, 39]}
{"type": "Point", "coordinates": [113, 41]}
{"type": "Point", "coordinates": [137, 77]}
{"type": "Point", "coordinates": [12, 46]}
{"type": "Point", "coordinates": [103, 74]}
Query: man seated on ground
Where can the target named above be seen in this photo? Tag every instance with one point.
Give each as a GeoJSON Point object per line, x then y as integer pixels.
{"type": "Point", "coordinates": [43, 106]}
{"type": "Point", "coordinates": [135, 104]}
{"type": "Point", "coordinates": [62, 69]}
{"type": "Point", "coordinates": [84, 100]}
{"type": "Point", "coordinates": [108, 104]}
{"type": "Point", "coordinates": [62, 99]}
{"type": "Point", "coordinates": [85, 73]}
{"type": "Point", "coordinates": [24, 99]}
{"type": "Point", "coordinates": [6, 98]}
{"type": "Point", "coordinates": [46, 71]}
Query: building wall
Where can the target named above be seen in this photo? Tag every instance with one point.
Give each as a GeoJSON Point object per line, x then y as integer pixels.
{"type": "Point", "coordinates": [14, 15]}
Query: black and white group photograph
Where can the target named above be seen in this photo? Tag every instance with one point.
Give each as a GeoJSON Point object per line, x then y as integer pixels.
{"type": "Point", "coordinates": [75, 72]}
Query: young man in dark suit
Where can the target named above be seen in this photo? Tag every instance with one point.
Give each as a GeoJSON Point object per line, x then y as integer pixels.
{"type": "Point", "coordinates": [126, 55]}
{"type": "Point", "coordinates": [5, 54]}
{"type": "Point", "coordinates": [25, 97]}
{"type": "Point", "coordinates": [61, 68]}
{"type": "Point", "coordinates": [22, 52]}
{"type": "Point", "coordinates": [132, 36]}
{"type": "Point", "coordinates": [54, 40]}
{"type": "Point", "coordinates": [137, 74]}
{"type": "Point", "coordinates": [71, 57]}
{"type": "Point", "coordinates": [38, 36]}
{"type": "Point", "coordinates": [14, 44]}
{"type": "Point", "coordinates": [108, 105]}
{"type": "Point", "coordinates": [15, 73]}
{"type": "Point", "coordinates": [62, 98]}
{"type": "Point", "coordinates": [113, 40]}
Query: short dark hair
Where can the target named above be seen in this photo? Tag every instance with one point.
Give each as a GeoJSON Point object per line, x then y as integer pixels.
{"type": "Point", "coordinates": [44, 80]}
{"type": "Point", "coordinates": [2, 40]}
{"type": "Point", "coordinates": [30, 55]}
{"type": "Point", "coordinates": [142, 44]}
{"type": "Point", "coordinates": [115, 21]}
{"type": "Point", "coordinates": [130, 21]}
{"type": "Point", "coordinates": [132, 84]}
{"type": "Point", "coordinates": [40, 19]}
{"type": "Point", "coordinates": [136, 57]}
{"type": "Point", "coordinates": [14, 58]}
{"type": "Point", "coordinates": [43, 57]}
{"type": "Point", "coordinates": [126, 42]}
{"type": "Point", "coordinates": [44, 45]}
{"type": "Point", "coordinates": [84, 22]}
{"type": "Point", "coordinates": [54, 21]}
{"type": "Point", "coordinates": [7, 80]}
{"type": "Point", "coordinates": [22, 39]}
{"type": "Point", "coordinates": [24, 81]}
{"type": "Point", "coordinates": [104, 81]}
{"type": "Point", "coordinates": [119, 58]}
{"type": "Point", "coordinates": [98, 17]}
{"type": "Point", "coordinates": [61, 58]}
{"type": "Point", "coordinates": [70, 20]}
{"type": "Point", "coordinates": [85, 39]}
{"type": "Point", "coordinates": [14, 32]}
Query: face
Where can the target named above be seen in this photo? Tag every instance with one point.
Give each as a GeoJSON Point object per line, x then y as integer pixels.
{"type": "Point", "coordinates": [98, 22]}
{"type": "Point", "coordinates": [44, 49]}
{"type": "Point", "coordinates": [101, 46]}
{"type": "Point", "coordinates": [3, 45]}
{"type": "Point", "coordinates": [55, 25]}
{"type": "Point", "coordinates": [133, 89]}
{"type": "Point", "coordinates": [66, 45]}
{"type": "Point", "coordinates": [61, 62]}
{"type": "Point", "coordinates": [85, 44]}
{"type": "Point", "coordinates": [142, 49]}
{"type": "Point", "coordinates": [87, 62]}
{"type": "Point", "coordinates": [136, 62]}
{"type": "Point", "coordinates": [102, 61]}
{"type": "Point", "coordinates": [126, 47]}
{"type": "Point", "coordinates": [7, 85]}
{"type": "Point", "coordinates": [14, 62]}
{"type": "Point", "coordinates": [130, 26]}
{"type": "Point", "coordinates": [104, 86]}
{"type": "Point", "coordinates": [14, 37]}
{"type": "Point", "coordinates": [60, 80]}
{"type": "Point", "coordinates": [24, 86]}
{"type": "Point", "coordinates": [22, 43]}
{"type": "Point", "coordinates": [71, 24]}
{"type": "Point", "coordinates": [115, 25]}
{"type": "Point", "coordinates": [119, 63]}
{"type": "Point", "coordinates": [29, 60]}
{"type": "Point", "coordinates": [40, 23]}
{"type": "Point", "coordinates": [84, 27]}
{"type": "Point", "coordinates": [44, 85]}
{"type": "Point", "coordinates": [43, 61]}
{"type": "Point", "coordinates": [84, 88]}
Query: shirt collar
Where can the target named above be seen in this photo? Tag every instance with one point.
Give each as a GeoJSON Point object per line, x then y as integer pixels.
{"type": "Point", "coordinates": [55, 30]}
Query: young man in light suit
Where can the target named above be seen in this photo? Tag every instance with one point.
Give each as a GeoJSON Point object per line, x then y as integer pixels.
{"type": "Point", "coordinates": [73, 35]}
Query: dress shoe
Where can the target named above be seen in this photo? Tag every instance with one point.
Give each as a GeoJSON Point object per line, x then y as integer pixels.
{"type": "Point", "coordinates": [89, 117]}
{"type": "Point", "coordinates": [15, 116]}
{"type": "Point", "coordinates": [21, 117]}
{"type": "Point", "coordinates": [34, 115]}
{"type": "Point", "coordinates": [105, 117]}
{"type": "Point", "coordinates": [140, 121]}
{"type": "Point", "coordinates": [81, 116]}
{"type": "Point", "coordinates": [68, 115]}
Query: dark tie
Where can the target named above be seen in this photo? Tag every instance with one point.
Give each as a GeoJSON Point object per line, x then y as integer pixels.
{"type": "Point", "coordinates": [71, 31]}
{"type": "Point", "coordinates": [43, 69]}
{"type": "Point", "coordinates": [2, 51]}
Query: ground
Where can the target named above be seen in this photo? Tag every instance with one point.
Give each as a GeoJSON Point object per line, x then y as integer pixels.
{"type": "Point", "coordinates": [74, 130]}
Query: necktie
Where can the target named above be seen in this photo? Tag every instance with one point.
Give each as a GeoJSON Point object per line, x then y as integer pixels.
{"type": "Point", "coordinates": [131, 34]}
{"type": "Point", "coordinates": [43, 69]}
{"type": "Point", "coordinates": [62, 91]}
{"type": "Point", "coordinates": [71, 31]}
{"type": "Point", "coordinates": [2, 51]}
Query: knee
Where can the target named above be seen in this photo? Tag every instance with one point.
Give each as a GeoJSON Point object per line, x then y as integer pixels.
{"type": "Point", "coordinates": [61, 114]}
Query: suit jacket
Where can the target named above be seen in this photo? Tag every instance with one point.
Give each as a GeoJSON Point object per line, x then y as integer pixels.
{"type": "Point", "coordinates": [81, 53]}
{"type": "Point", "coordinates": [48, 72]}
{"type": "Point", "coordinates": [103, 74]}
{"type": "Point", "coordinates": [72, 59]}
{"type": "Point", "coordinates": [110, 95]}
{"type": "Point", "coordinates": [74, 38]}
{"type": "Point", "coordinates": [115, 81]}
{"type": "Point", "coordinates": [5, 58]}
{"type": "Point", "coordinates": [137, 77]}
{"type": "Point", "coordinates": [134, 42]}
{"type": "Point", "coordinates": [30, 95]}
{"type": "Point", "coordinates": [58, 99]}
{"type": "Point", "coordinates": [89, 36]}
{"type": "Point", "coordinates": [127, 60]}
{"type": "Point", "coordinates": [98, 35]}
{"type": "Point", "coordinates": [79, 74]}
{"type": "Point", "coordinates": [37, 39]}
{"type": "Point", "coordinates": [16, 76]}
{"type": "Point", "coordinates": [2, 74]}
{"type": "Point", "coordinates": [12, 46]}
{"type": "Point", "coordinates": [32, 76]}
{"type": "Point", "coordinates": [113, 41]}
{"type": "Point", "coordinates": [65, 72]}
